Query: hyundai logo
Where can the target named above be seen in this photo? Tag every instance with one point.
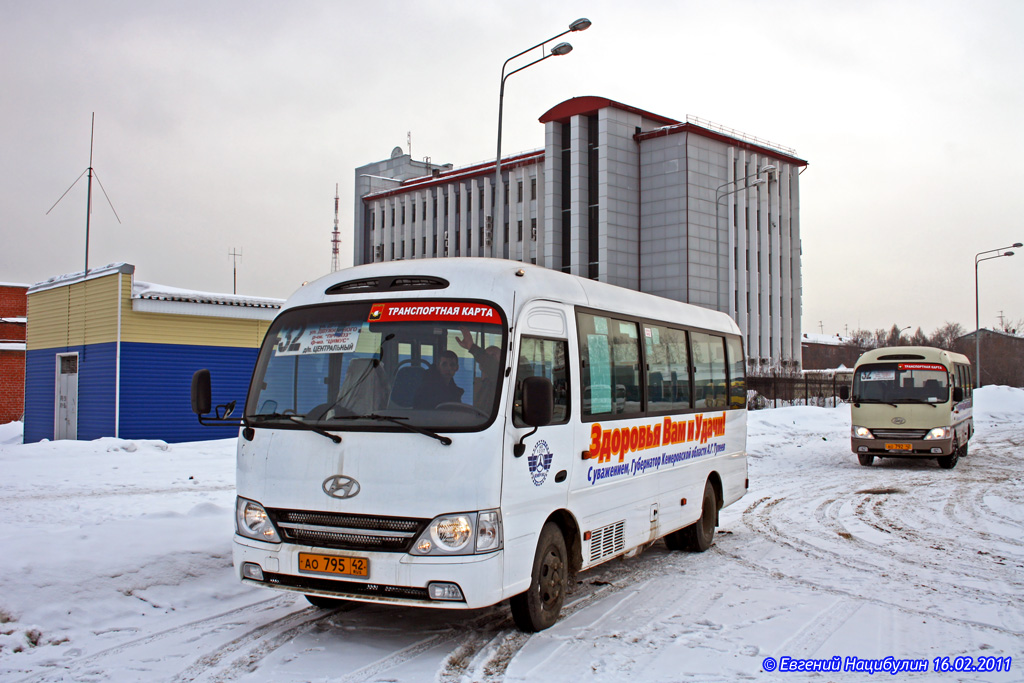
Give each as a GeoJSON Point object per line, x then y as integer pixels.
{"type": "Point", "coordinates": [340, 486]}
{"type": "Point", "coordinates": [898, 420]}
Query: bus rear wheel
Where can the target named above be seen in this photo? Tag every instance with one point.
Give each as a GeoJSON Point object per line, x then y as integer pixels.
{"type": "Point", "coordinates": [699, 536]}
{"type": "Point", "coordinates": [538, 608]}
{"type": "Point", "coordinates": [865, 459]}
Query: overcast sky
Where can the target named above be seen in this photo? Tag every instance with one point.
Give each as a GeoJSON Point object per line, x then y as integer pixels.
{"type": "Point", "coordinates": [225, 126]}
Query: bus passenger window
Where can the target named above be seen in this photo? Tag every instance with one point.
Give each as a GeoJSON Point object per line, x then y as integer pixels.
{"type": "Point", "coordinates": [543, 358]}
{"type": "Point", "coordinates": [737, 372]}
{"type": "Point", "coordinates": [610, 365]}
{"type": "Point", "coordinates": [668, 375]}
{"type": "Point", "coordinates": [709, 388]}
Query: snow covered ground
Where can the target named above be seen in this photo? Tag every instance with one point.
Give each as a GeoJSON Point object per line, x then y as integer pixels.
{"type": "Point", "coordinates": [116, 565]}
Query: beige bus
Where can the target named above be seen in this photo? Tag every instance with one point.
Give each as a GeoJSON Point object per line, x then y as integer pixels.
{"type": "Point", "coordinates": [911, 402]}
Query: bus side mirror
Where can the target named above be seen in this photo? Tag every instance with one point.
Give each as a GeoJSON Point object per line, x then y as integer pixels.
{"type": "Point", "coordinates": [538, 401]}
{"type": "Point", "coordinates": [958, 394]}
{"type": "Point", "coordinates": [201, 392]}
{"type": "Point", "coordinates": [844, 392]}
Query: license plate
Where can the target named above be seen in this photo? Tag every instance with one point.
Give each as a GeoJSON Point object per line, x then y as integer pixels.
{"type": "Point", "coordinates": [312, 563]}
{"type": "Point", "coordinates": [898, 447]}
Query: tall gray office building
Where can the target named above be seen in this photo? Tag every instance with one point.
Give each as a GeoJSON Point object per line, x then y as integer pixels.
{"type": "Point", "coordinates": [685, 210]}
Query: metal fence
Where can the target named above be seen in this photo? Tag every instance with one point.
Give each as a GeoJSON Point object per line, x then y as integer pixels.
{"type": "Point", "coordinates": [776, 392]}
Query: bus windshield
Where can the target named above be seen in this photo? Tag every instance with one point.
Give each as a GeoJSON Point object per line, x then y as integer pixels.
{"type": "Point", "coordinates": [432, 365]}
{"type": "Point", "coordinates": [901, 383]}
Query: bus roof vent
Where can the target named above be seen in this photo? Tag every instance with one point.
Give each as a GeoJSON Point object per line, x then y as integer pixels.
{"type": "Point", "coordinates": [902, 356]}
{"type": "Point", "coordinates": [388, 284]}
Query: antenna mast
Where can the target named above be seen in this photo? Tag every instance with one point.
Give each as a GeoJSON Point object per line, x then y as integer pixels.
{"type": "Point", "coordinates": [88, 201]}
{"type": "Point", "coordinates": [234, 269]}
{"type": "Point", "coordinates": [335, 236]}
{"type": "Point", "coordinates": [88, 195]}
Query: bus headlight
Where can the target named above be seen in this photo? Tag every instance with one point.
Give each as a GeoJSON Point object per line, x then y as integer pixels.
{"type": "Point", "coordinates": [862, 433]}
{"type": "Point", "coordinates": [937, 433]}
{"type": "Point", "coordinates": [460, 534]}
{"type": "Point", "coordinates": [252, 521]}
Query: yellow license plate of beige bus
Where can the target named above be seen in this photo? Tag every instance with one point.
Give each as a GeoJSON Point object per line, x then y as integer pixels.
{"type": "Point", "coordinates": [898, 447]}
{"type": "Point", "coordinates": [313, 563]}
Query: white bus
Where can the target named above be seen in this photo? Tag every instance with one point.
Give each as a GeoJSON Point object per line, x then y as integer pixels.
{"type": "Point", "coordinates": [911, 402]}
{"type": "Point", "coordinates": [457, 432]}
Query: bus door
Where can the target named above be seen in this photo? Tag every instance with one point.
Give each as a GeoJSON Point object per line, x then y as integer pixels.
{"type": "Point", "coordinates": [537, 481]}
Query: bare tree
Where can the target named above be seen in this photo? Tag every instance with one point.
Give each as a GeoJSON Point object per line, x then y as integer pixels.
{"type": "Point", "coordinates": [946, 336]}
{"type": "Point", "coordinates": [919, 338]}
{"type": "Point", "coordinates": [862, 339]}
{"type": "Point", "coordinates": [894, 338]}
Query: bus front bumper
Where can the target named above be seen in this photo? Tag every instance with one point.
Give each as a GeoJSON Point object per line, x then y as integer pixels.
{"type": "Point", "coordinates": [450, 582]}
{"type": "Point", "coordinates": [904, 448]}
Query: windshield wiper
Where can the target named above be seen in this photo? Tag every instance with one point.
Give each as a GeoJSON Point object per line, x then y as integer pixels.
{"type": "Point", "coordinates": [874, 400]}
{"type": "Point", "coordinates": [297, 420]}
{"type": "Point", "coordinates": [398, 421]}
{"type": "Point", "coordinates": [919, 400]}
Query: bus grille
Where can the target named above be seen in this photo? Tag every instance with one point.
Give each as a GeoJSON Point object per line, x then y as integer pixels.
{"type": "Point", "coordinates": [899, 433]}
{"type": "Point", "coordinates": [607, 540]}
{"type": "Point", "coordinates": [342, 531]}
{"type": "Point", "coordinates": [377, 590]}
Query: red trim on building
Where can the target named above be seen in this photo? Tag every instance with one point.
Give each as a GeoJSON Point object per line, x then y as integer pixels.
{"type": "Point", "coordinates": [735, 142]}
{"type": "Point", "coordinates": [586, 106]}
{"type": "Point", "coordinates": [509, 163]}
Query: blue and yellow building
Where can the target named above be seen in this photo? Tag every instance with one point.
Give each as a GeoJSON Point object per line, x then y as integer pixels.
{"type": "Point", "coordinates": [107, 355]}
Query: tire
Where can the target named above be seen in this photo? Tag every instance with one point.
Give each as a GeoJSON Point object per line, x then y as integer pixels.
{"type": "Point", "coordinates": [948, 462]}
{"type": "Point", "coordinates": [699, 536]}
{"type": "Point", "coordinates": [865, 460]}
{"type": "Point", "coordinates": [538, 608]}
{"type": "Point", "coordinates": [324, 603]}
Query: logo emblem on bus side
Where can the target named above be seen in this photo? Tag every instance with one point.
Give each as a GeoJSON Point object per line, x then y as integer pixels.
{"type": "Point", "coordinates": [898, 420]}
{"type": "Point", "coordinates": [540, 462]}
{"type": "Point", "coordinates": [340, 486]}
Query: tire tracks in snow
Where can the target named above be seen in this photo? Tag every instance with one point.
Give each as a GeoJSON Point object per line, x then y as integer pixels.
{"type": "Point", "coordinates": [180, 641]}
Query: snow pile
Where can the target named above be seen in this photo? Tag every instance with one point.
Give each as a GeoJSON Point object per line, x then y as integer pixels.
{"type": "Point", "coordinates": [11, 433]}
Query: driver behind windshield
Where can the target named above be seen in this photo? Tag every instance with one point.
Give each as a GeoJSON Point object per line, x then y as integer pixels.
{"type": "Point", "coordinates": [438, 385]}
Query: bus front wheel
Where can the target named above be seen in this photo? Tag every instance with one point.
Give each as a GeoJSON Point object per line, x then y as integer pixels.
{"type": "Point", "coordinates": [538, 608]}
{"type": "Point", "coordinates": [865, 459]}
{"type": "Point", "coordinates": [948, 462]}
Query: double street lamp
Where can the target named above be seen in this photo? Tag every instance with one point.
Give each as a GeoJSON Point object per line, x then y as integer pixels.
{"type": "Point", "coordinates": [719, 195]}
{"type": "Point", "coordinates": [995, 253]}
{"type": "Point", "coordinates": [557, 51]}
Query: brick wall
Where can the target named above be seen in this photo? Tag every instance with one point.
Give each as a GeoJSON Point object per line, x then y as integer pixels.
{"type": "Point", "coordinates": [13, 304]}
{"type": "Point", "coordinates": [12, 386]}
{"type": "Point", "coordinates": [13, 301]}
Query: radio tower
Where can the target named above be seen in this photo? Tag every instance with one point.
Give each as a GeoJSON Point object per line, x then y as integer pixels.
{"type": "Point", "coordinates": [335, 237]}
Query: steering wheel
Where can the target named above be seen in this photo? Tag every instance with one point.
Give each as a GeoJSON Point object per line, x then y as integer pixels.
{"type": "Point", "coordinates": [419, 362]}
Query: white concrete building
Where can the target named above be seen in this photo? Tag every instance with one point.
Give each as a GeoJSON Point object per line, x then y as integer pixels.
{"type": "Point", "coordinates": [685, 210]}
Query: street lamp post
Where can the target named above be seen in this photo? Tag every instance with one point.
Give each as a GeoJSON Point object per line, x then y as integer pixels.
{"type": "Point", "coordinates": [557, 51]}
{"type": "Point", "coordinates": [719, 195]}
{"type": "Point", "coordinates": [977, 317]}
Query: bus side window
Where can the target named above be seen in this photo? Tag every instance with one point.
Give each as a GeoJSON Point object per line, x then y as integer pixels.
{"type": "Point", "coordinates": [543, 358]}
{"type": "Point", "coordinates": [610, 366]}
{"type": "Point", "coordinates": [709, 388]}
{"type": "Point", "coordinates": [668, 368]}
{"type": "Point", "coordinates": [737, 372]}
